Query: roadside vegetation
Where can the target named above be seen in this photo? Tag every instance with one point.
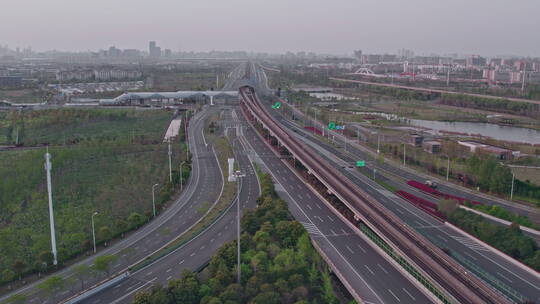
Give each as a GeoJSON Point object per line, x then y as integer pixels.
{"type": "Point", "coordinates": [108, 164]}
{"type": "Point", "coordinates": [509, 240]}
{"type": "Point", "coordinates": [279, 264]}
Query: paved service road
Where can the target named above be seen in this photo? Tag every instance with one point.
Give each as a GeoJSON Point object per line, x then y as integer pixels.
{"type": "Point", "coordinates": [370, 275]}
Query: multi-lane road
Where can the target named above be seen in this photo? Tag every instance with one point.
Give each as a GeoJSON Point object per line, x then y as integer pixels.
{"type": "Point", "coordinates": [373, 278]}
{"type": "Point", "coordinates": [517, 282]}
{"type": "Point", "coordinates": [197, 252]}
{"type": "Point", "coordinates": [205, 185]}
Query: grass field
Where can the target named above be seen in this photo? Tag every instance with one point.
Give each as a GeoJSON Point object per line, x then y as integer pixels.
{"type": "Point", "coordinates": [109, 164]}
{"type": "Point", "coordinates": [530, 174]}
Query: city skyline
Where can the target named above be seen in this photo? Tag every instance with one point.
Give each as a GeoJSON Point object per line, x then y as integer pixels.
{"type": "Point", "coordinates": [382, 27]}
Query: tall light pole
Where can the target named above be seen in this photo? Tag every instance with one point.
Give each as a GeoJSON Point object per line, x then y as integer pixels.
{"type": "Point", "coordinates": [238, 175]}
{"type": "Point", "coordinates": [170, 163]}
{"type": "Point", "coordinates": [404, 148]}
{"type": "Point", "coordinates": [378, 143]}
{"type": "Point", "coordinates": [154, 199]}
{"type": "Point", "coordinates": [94, 230]}
{"type": "Point", "coordinates": [48, 167]}
{"type": "Point", "coordinates": [181, 184]}
{"type": "Point", "coordinates": [448, 168]}
{"type": "Point", "coordinates": [512, 189]}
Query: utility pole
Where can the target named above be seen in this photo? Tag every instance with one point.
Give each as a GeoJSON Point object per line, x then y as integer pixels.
{"type": "Point", "coordinates": [154, 199]}
{"type": "Point", "coordinates": [94, 231]}
{"type": "Point", "coordinates": [170, 163]}
{"type": "Point", "coordinates": [378, 143]}
{"type": "Point", "coordinates": [512, 190]}
{"type": "Point", "coordinates": [48, 168]}
{"type": "Point", "coordinates": [448, 168]}
{"type": "Point", "coordinates": [404, 148]}
{"type": "Point", "coordinates": [523, 80]}
{"type": "Point", "coordinates": [238, 176]}
{"type": "Point", "coordinates": [181, 184]}
{"type": "Point", "coordinates": [448, 76]}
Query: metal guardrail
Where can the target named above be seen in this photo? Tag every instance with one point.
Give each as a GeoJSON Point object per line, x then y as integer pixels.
{"type": "Point", "coordinates": [97, 288]}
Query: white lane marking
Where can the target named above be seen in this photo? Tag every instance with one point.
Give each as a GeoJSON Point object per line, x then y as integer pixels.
{"type": "Point", "coordinates": [318, 206]}
{"type": "Point", "coordinates": [442, 238]}
{"type": "Point", "coordinates": [309, 207]}
{"type": "Point", "coordinates": [149, 273]}
{"type": "Point", "coordinates": [343, 230]}
{"type": "Point", "coordinates": [349, 248]}
{"type": "Point", "coordinates": [311, 228]}
{"type": "Point", "coordinates": [361, 248]}
{"type": "Point", "coordinates": [181, 262]}
{"type": "Point", "coordinates": [369, 269]}
{"type": "Point", "coordinates": [504, 277]}
{"type": "Point", "coordinates": [410, 295]}
{"type": "Point", "coordinates": [382, 268]}
{"type": "Point", "coordinates": [212, 240]}
{"type": "Point", "coordinates": [168, 278]}
{"type": "Point", "coordinates": [192, 254]}
{"type": "Point", "coordinates": [394, 295]}
{"type": "Point", "coordinates": [469, 255]}
{"type": "Point", "coordinates": [333, 232]}
{"type": "Point", "coordinates": [169, 270]}
{"type": "Point", "coordinates": [330, 218]}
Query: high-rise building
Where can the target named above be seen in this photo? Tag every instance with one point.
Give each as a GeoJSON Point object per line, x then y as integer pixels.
{"type": "Point", "coordinates": [154, 50]}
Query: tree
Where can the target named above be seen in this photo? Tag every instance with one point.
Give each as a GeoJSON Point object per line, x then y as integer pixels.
{"type": "Point", "coordinates": [81, 272]}
{"type": "Point", "coordinates": [46, 258]}
{"type": "Point", "coordinates": [18, 267]}
{"type": "Point", "coordinates": [185, 290]}
{"type": "Point", "coordinates": [8, 275]}
{"type": "Point", "coordinates": [447, 206]}
{"type": "Point", "coordinates": [103, 263]}
{"type": "Point", "coordinates": [135, 219]}
{"type": "Point", "coordinates": [104, 234]}
{"type": "Point", "coordinates": [52, 284]}
{"type": "Point", "coordinates": [328, 292]}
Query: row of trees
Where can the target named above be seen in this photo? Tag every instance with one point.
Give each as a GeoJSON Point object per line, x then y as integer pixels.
{"type": "Point", "coordinates": [279, 265]}
{"type": "Point", "coordinates": [492, 104]}
{"type": "Point", "coordinates": [81, 273]}
{"type": "Point", "coordinates": [510, 240]}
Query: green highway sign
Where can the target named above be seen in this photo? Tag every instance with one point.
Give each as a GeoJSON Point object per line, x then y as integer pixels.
{"type": "Point", "coordinates": [360, 163]}
{"type": "Point", "coordinates": [332, 126]}
{"type": "Point", "coordinates": [277, 105]}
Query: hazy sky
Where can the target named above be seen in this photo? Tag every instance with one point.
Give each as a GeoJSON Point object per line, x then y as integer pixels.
{"type": "Point", "coordinates": [488, 27]}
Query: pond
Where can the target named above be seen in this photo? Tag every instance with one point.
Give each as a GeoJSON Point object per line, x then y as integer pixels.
{"type": "Point", "coordinates": [498, 132]}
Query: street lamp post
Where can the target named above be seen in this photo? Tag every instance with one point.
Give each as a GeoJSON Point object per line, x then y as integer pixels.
{"type": "Point", "coordinates": [154, 199]}
{"type": "Point", "coordinates": [238, 175]}
{"type": "Point", "coordinates": [448, 168]}
{"type": "Point", "coordinates": [170, 163]}
{"type": "Point", "coordinates": [181, 184]}
{"type": "Point", "coordinates": [404, 148]}
{"type": "Point", "coordinates": [94, 230]}
{"type": "Point", "coordinates": [512, 189]}
{"type": "Point", "coordinates": [378, 143]}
